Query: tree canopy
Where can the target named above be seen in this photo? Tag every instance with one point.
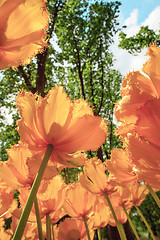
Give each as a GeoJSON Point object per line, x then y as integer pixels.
{"type": "Point", "coordinates": [144, 38]}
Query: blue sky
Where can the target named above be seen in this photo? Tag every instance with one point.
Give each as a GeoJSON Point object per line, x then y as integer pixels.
{"type": "Point", "coordinates": [145, 7]}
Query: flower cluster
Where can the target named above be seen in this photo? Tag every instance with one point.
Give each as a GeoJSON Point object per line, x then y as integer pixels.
{"type": "Point", "coordinates": [138, 111]}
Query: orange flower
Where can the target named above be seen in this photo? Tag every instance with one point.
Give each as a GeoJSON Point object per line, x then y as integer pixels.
{"type": "Point", "coordinates": [68, 126]}
{"type": "Point", "coordinates": [79, 202]}
{"type": "Point", "coordinates": [146, 157]}
{"type": "Point", "coordinates": [7, 203]}
{"type": "Point", "coordinates": [121, 167]}
{"type": "Point", "coordinates": [23, 31]}
{"type": "Point", "coordinates": [121, 216]}
{"type": "Point", "coordinates": [139, 113]}
{"type": "Point", "coordinates": [51, 196]}
{"type": "Point", "coordinates": [73, 229]}
{"type": "Point", "coordinates": [131, 194]}
{"type": "Point", "coordinates": [122, 197]}
{"type": "Point", "coordinates": [95, 179]}
{"type": "Point", "coordinates": [148, 123]}
{"type": "Point", "coordinates": [138, 193]}
{"type": "Point", "coordinates": [52, 199]}
{"type": "Point", "coordinates": [137, 89]}
{"type": "Point", "coordinates": [101, 215]}
{"type": "Point", "coordinates": [30, 231]}
{"type": "Point", "coordinates": [22, 166]}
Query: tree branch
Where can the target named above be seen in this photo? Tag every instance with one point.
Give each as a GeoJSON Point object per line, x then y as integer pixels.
{"type": "Point", "coordinates": [26, 79]}
{"type": "Point", "coordinates": [79, 68]}
{"type": "Point", "coordinates": [102, 79]}
{"type": "Point", "coordinates": [41, 57]}
{"type": "Point", "coordinates": [92, 90]}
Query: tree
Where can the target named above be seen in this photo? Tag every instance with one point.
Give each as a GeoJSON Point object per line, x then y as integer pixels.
{"type": "Point", "coordinates": [143, 38]}
{"type": "Point", "coordinates": [84, 39]}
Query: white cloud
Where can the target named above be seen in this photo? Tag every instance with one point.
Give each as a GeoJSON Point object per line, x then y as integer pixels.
{"type": "Point", "coordinates": [131, 23]}
{"type": "Point", "coordinates": [126, 62]}
{"type": "Point", "coordinates": [132, 20]}
{"type": "Point", "coordinates": [153, 20]}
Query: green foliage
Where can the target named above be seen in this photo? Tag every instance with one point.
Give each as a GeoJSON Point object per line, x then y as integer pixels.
{"type": "Point", "coordinates": [151, 212]}
{"type": "Point", "coordinates": [7, 223]}
{"type": "Point", "coordinates": [70, 175]}
{"type": "Point", "coordinates": [86, 68]}
{"type": "Point", "coordinates": [145, 37]}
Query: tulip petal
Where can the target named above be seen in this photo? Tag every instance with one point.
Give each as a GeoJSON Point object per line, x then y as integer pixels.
{"type": "Point", "coordinates": [85, 134]}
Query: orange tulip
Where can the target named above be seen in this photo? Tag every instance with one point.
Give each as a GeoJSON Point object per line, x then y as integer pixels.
{"type": "Point", "coordinates": [101, 215]}
{"type": "Point", "coordinates": [121, 167]}
{"type": "Point", "coordinates": [23, 31]}
{"type": "Point", "coordinates": [148, 122]}
{"type": "Point", "coordinates": [146, 157]}
{"type": "Point", "coordinates": [7, 203]}
{"type": "Point", "coordinates": [95, 179]}
{"type": "Point", "coordinates": [22, 166]}
{"type": "Point", "coordinates": [79, 202]}
{"type": "Point", "coordinates": [151, 67]}
{"type": "Point", "coordinates": [132, 194]}
{"type": "Point", "coordinates": [51, 196]}
{"type": "Point", "coordinates": [137, 89]}
{"type": "Point", "coordinates": [122, 197]}
{"type": "Point", "coordinates": [68, 126]}
{"type": "Point", "coordinates": [150, 177]}
{"type": "Point", "coordinates": [30, 230]}
{"type": "Point", "coordinates": [139, 113]}
{"type": "Point", "coordinates": [73, 229]}
{"type": "Point", "coordinates": [121, 216]}
{"type": "Point", "coordinates": [138, 193]}
{"type": "Point", "coordinates": [52, 199]}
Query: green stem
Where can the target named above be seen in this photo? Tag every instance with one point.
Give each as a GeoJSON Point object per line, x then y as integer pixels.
{"type": "Point", "coordinates": [130, 222]}
{"type": "Point", "coordinates": [145, 222]}
{"type": "Point", "coordinates": [154, 195]}
{"type": "Point", "coordinates": [48, 227]}
{"type": "Point", "coordinates": [26, 211]}
{"type": "Point", "coordinates": [119, 225]}
{"type": "Point", "coordinates": [39, 224]}
{"type": "Point", "coordinates": [86, 226]}
{"type": "Point", "coordinates": [99, 234]}
{"type": "Point", "coordinates": [53, 233]}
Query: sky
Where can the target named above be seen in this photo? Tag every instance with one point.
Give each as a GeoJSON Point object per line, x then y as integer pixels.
{"type": "Point", "coordinates": [134, 14]}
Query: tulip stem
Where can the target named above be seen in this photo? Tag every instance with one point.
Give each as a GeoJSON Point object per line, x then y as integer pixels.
{"type": "Point", "coordinates": [99, 234]}
{"type": "Point", "coordinates": [86, 226]}
{"type": "Point", "coordinates": [119, 225]}
{"type": "Point", "coordinates": [39, 224]}
{"type": "Point", "coordinates": [154, 195]}
{"type": "Point", "coordinates": [145, 222]}
{"type": "Point", "coordinates": [26, 211]}
{"type": "Point", "coordinates": [53, 233]}
{"type": "Point", "coordinates": [130, 222]}
{"type": "Point", "coordinates": [48, 227]}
